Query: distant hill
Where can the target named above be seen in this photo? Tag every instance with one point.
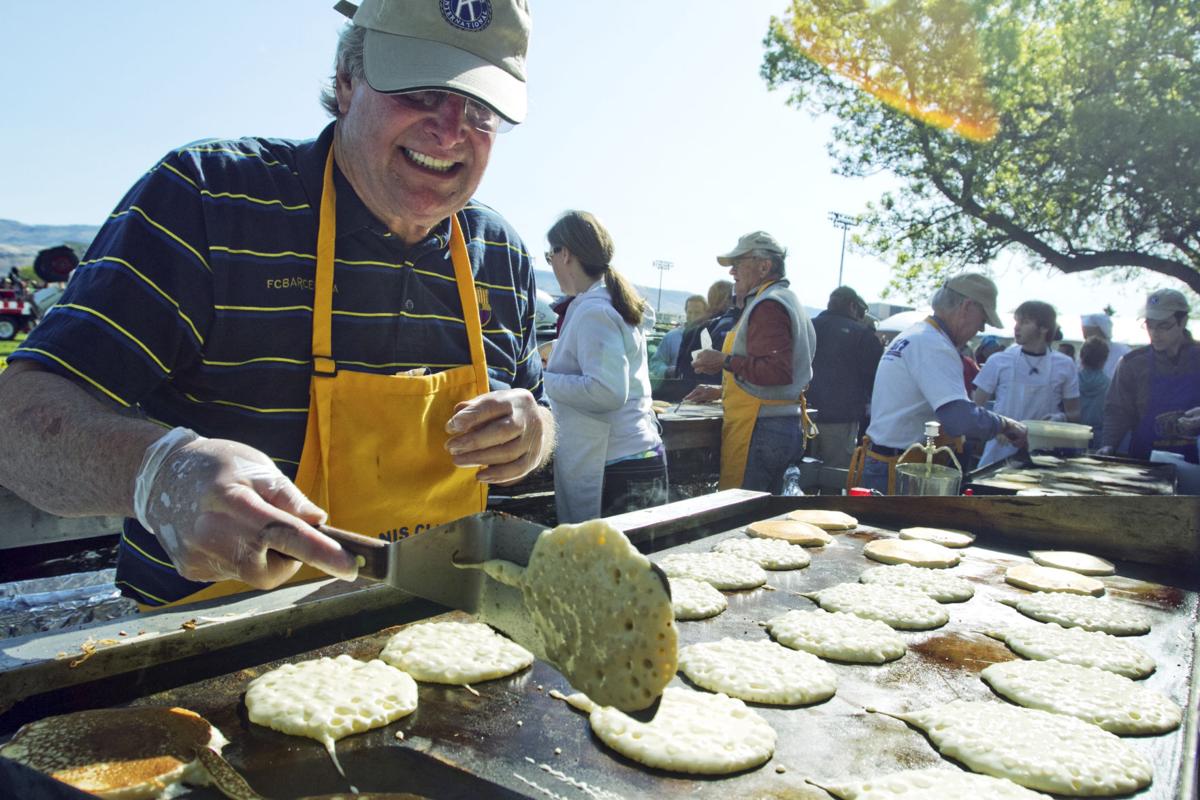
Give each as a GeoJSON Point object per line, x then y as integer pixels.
{"type": "Point", "coordinates": [19, 243]}
{"type": "Point", "coordinates": [672, 299]}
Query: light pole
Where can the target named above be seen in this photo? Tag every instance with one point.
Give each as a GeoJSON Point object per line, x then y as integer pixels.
{"type": "Point", "coordinates": [661, 266]}
{"type": "Point", "coordinates": [845, 222]}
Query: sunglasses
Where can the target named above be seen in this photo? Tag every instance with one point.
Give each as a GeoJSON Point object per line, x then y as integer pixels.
{"type": "Point", "coordinates": [550, 253]}
{"type": "Point", "coordinates": [1165, 325]}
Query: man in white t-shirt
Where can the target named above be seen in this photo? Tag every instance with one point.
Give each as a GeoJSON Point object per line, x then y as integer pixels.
{"type": "Point", "coordinates": [920, 378]}
{"type": "Point", "coordinates": [1029, 380]}
{"type": "Point", "coordinates": [1101, 325]}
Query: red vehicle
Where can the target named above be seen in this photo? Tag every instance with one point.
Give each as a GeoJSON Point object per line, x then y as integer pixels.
{"type": "Point", "coordinates": [17, 313]}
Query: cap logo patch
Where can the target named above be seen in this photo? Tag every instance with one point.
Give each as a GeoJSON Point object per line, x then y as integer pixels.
{"type": "Point", "coordinates": [467, 15]}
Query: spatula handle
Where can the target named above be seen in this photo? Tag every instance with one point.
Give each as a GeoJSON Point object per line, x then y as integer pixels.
{"type": "Point", "coordinates": [372, 554]}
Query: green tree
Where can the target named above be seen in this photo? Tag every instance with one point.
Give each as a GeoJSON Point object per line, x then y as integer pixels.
{"type": "Point", "coordinates": [1069, 128]}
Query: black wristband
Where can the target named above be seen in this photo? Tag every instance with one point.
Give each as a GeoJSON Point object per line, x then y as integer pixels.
{"type": "Point", "coordinates": [728, 363]}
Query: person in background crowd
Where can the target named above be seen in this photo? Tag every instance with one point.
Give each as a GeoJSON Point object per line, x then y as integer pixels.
{"type": "Point", "coordinates": [720, 297]}
{"type": "Point", "coordinates": [988, 347]}
{"type": "Point", "coordinates": [920, 379]}
{"type": "Point", "coordinates": [970, 368]}
{"type": "Point", "coordinates": [1156, 388]}
{"type": "Point", "coordinates": [1028, 380]}
{"type": "Point", "coordinates": [1101, 325]}
{"type": "Point", "coordinates": [662, 363]}
{"type": "Point", "coordinates": [610, 456]}
{"type": "Point", "coordinates": [1068, 350]}
{"type": "Point", "coordinates": [722, 324]}
{"type": "Point", "coordinates": [843, 375]}
{"type": "Point", "coordinates": [201, 361]}
{"type": "Point", "coordinates": [1093, 384]}
{"type": "Point", "coordinates": [766, 364]}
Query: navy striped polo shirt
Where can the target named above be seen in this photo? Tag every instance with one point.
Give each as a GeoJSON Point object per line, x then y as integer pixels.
{"type": "Point", "coordinates": [194, 306]}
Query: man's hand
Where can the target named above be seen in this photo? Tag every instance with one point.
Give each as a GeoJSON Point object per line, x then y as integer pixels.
{"type": "Point", "coordinates": [708, 362]}
{"type": "Point", "coordinates": [506, 432]}
{"type": "Point", "coordinates": [222, 510]}
{"type": "Point", "coordinates": [1015, 433]}
{"type": "Point", "coordinates": [704, 393]}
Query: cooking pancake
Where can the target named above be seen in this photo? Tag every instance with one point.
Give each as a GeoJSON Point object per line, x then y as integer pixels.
{"type": "Point", "coordinates": [1037, 749]}
{"type": "Point", "coordinates": [918, 552]}
{"type": "Point", "coordinates": [126, 753]}
{"type": "Point", "coordinates": [722, 570]}
{"type": "Point", "coordinates": [1083, 563]}
{"type": "Point", "coordinates": [937, 583]}
{"type": "Point", "coordinates": [767, 553]}
{"type": "Point", "coordinates": [1082, 611]}
{"type": "Point", "coordinates": [946, 537]}
{"type": "Point", "coordinates": [826, 520]}
{"type": "Point", "coordinates": [693, 732]}
{"type": "Point", "coordinates": [1114, 702]}
{"type": "Point", "coordinates": [837, 635]}
{"type": "Point", "coordinates": [790, 530]}
{"type": "Point", "coordinates": [454, 653]}
{"type": "Point", "coordinates": [328, 699]}
{"type": "Point", "coordinates": [1052, 579]}
{"type": "Point", "coordinates": [693, 599]}
{"type": "Point", "coordinates": [1053, 642]}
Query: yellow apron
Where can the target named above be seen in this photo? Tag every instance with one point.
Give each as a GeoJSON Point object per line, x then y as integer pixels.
{"type": "Point", "coordinates": [739, 414]}
{"type": "Point", "coordinates": [374, 451]}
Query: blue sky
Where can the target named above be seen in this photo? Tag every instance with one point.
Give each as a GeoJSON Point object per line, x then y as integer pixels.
{"type": "Point", "coordinates": [651, 114]}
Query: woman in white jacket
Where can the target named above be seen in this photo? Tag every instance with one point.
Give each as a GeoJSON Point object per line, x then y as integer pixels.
{"type": "Point", "coordinates": [610, 457]}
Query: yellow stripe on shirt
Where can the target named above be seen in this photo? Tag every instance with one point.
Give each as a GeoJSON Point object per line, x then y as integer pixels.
{"type": "Point", "coordinates": [117, 326]}
{"type": "Point", "coordinates": [75, 372]}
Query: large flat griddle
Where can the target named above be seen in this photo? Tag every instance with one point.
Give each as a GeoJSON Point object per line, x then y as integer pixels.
{"type": "Point", "coordinates": [461, 745]}
{"type": "Point", "coordinates": [1074, 475]}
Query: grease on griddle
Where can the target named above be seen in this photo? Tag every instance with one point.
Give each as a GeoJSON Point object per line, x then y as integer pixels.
{"type": "Point", "coordinates": [956, 650]}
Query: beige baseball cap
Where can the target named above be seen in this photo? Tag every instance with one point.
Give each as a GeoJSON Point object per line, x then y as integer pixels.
{"type": "Point", "coordinates": [1164, 304]}
{"type": "Point", "coordinates": [472, 47]}
{"type": "Point", "coordinates": [979, 288]}
{"type": "Point", "coordinates": [756, 240]}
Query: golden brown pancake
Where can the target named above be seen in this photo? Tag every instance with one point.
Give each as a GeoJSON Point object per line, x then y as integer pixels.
{"type": "Point", "coordinates": [794, 531]}
{"type": "Point", "coordinates": [116, 753]}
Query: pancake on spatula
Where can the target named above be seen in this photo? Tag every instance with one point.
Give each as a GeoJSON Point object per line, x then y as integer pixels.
{"type": "Point", "coordinates": [827, 520]}
{"type": "Point", "coordinates": [127, 753]}
{"type": "Point", "coordinates": [790, 530]}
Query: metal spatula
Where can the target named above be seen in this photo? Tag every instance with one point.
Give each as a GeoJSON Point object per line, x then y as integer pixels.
{"type": "Point", "coordinates": [424, 565]}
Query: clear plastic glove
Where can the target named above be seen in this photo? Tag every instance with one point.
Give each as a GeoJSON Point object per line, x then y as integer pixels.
{"type": "Point", "coordinates": [222, 510]}
{"type": "Point", "coordinates": [1016, 433]}
{"type": "Point", "coordinates": [704, 393]}
{"type": "Point", "coordinates": [1189, 423]}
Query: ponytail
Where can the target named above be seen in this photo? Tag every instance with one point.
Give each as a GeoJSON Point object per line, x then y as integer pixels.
{"type": "Point", "coordinates": [625, 299]}
{"type": "Point", "coordinates": [589, 241]}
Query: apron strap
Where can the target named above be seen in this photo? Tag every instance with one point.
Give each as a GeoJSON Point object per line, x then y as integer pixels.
{"type": "Point", "coordinates": [322, 316]}
{"type": "Point", "coordinates": [470, 302]}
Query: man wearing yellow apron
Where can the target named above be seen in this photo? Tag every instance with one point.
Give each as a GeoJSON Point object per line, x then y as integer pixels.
{"type": "Point", "coordinates": [920, 378]}
{"type": "Point", "coordinates": [766, 364]}
{"type": "Point", "coordinates": [327, 330]}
